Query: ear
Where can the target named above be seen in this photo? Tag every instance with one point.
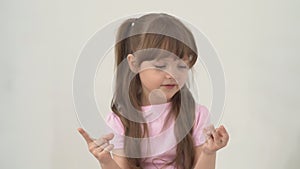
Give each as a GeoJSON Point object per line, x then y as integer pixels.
{"type": "Point", "coordinates": [131, 59]}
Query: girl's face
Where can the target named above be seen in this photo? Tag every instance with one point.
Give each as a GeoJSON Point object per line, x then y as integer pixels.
{"type": "Point", "coordinates": [162, 78]}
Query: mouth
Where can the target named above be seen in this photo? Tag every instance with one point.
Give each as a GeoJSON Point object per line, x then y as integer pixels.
{"type": "Point", "coordinates": [169, 86]}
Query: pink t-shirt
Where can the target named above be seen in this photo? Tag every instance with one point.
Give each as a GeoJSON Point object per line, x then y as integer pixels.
{"type": "Point", "coordinates": [162, 148]}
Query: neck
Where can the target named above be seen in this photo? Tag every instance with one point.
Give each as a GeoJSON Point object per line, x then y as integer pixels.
{"type": "Point", "coordinates": [153, 100]}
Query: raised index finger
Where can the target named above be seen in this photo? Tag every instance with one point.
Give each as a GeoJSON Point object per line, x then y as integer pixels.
{"type": "Point", "coordinates": [85, 135]}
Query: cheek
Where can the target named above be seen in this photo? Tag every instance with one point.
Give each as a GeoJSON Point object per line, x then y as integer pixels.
{"type": "Point", "coordinates": [181, 78]}
{"type": "Point", "coordinates": [151, 78]}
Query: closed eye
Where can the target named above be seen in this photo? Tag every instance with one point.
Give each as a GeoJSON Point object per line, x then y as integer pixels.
{"type": "Point", "coordinates": [182, 66]}
{"type": "Point", "coordinates": [159, 66]}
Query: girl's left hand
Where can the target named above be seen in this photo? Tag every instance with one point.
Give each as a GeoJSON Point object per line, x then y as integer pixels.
{"type": "Point", "coordinates": [215, 139]}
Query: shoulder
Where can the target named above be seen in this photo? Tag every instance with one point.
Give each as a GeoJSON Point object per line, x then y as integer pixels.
{"type": "Point", "coordinates": [114, 122]}
{"type": "Point", "coordinates": [202, 112]}
{"type": "Point", "coordinates": [111, 116]}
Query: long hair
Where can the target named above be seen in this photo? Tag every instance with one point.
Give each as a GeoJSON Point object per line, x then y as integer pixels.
{"type": "Point", "coordinates": [159, 31]}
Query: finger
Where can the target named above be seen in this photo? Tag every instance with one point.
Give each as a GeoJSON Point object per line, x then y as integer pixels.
{"type": "Point", "coordinates": [104, 139]}
{"type": "Point", "coordinates": [108, 136]}
{"type": "Point", "coordinates": [100, 141]}
{"type": "Point", "coordinates": [97, 150]}
{"type": "Point", "coordinates": [224, 134]}
{"type": "Point", "coordinates": [109, 147]}
{"type": "Point", "coordinates": [210, 127]}
{"type": "Point", "coordinates": [208, 130]}
{"type": "Point", "coordinates": [93, 147]}
{"type": "Point", "coordinates": [206, 133]}
{"type": "Point", "coordinates": [223, 131]}
{"type": "Point", "coordinates": [210, 140]}
{"type": "Point", "coordinates": [217, 138]}
{"type": "Point", "coordinates": [85, 135]}
{"type": "Point", "coordinates": [103, 146]}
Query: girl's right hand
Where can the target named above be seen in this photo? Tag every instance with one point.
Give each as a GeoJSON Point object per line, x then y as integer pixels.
{"type": "Point", "coordinates": [100, 148]}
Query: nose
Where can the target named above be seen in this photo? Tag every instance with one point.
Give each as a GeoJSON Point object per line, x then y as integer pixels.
{"type": "Point", "coordinates": [168, 76]}
{"type": "Point", "coordinates": [171, 72]}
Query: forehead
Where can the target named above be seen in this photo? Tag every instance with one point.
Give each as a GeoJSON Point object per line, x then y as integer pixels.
{"type": "Point", "coordinates": [165, 60]}
{"type": "Point", "coordinates": [172, 58]}
{"type": "Point", "coordinates": [154, 46]}
{"type": "Point", "coordinates": [154, 54]}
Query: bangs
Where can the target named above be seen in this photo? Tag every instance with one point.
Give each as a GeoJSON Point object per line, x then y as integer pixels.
{"type": "Point", "coordinates": [157, 46]}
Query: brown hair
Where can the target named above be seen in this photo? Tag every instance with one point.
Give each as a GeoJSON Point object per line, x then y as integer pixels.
{"type": "Point", "coordinates": [159, 31]}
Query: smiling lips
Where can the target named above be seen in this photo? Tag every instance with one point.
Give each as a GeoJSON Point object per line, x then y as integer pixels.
{"type": "Point", "coordinates": [169, 86]}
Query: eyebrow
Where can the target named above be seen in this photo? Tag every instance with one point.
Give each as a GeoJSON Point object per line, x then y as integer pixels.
{"type": "Point", "coordinates": [163, 57]}
{"type": "Point", "coordinates": [174, 59]}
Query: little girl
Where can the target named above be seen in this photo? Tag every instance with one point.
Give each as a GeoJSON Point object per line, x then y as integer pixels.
{"type": "Point", "coordinates": [152, 101]}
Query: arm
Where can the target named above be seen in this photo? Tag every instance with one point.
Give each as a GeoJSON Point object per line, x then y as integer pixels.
{"type": "Point", "coordinates": [204, 160]}
{"type": "Point", "coordinates": [120, 159]}
{"type": "Point", "coordinates": [205, 156]}
{"type": "Point", "coordinates": [110, 165]}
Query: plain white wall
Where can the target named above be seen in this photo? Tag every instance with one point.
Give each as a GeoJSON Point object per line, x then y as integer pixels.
{"type": "Point", "coordinates": [258, 43]}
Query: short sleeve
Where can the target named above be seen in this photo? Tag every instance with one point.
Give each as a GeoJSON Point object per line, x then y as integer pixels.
{"type": "Point", "coordinates": [115, 126]}
{"type": "Point", "coordinates": [202, 120]}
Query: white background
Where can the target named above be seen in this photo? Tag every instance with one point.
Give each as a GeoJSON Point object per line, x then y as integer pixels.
{"type": "Point", "coordinates": [258, 43]}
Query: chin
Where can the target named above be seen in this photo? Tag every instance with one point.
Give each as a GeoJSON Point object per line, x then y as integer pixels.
{"type": "Point", "coordinates": [169, 97]}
